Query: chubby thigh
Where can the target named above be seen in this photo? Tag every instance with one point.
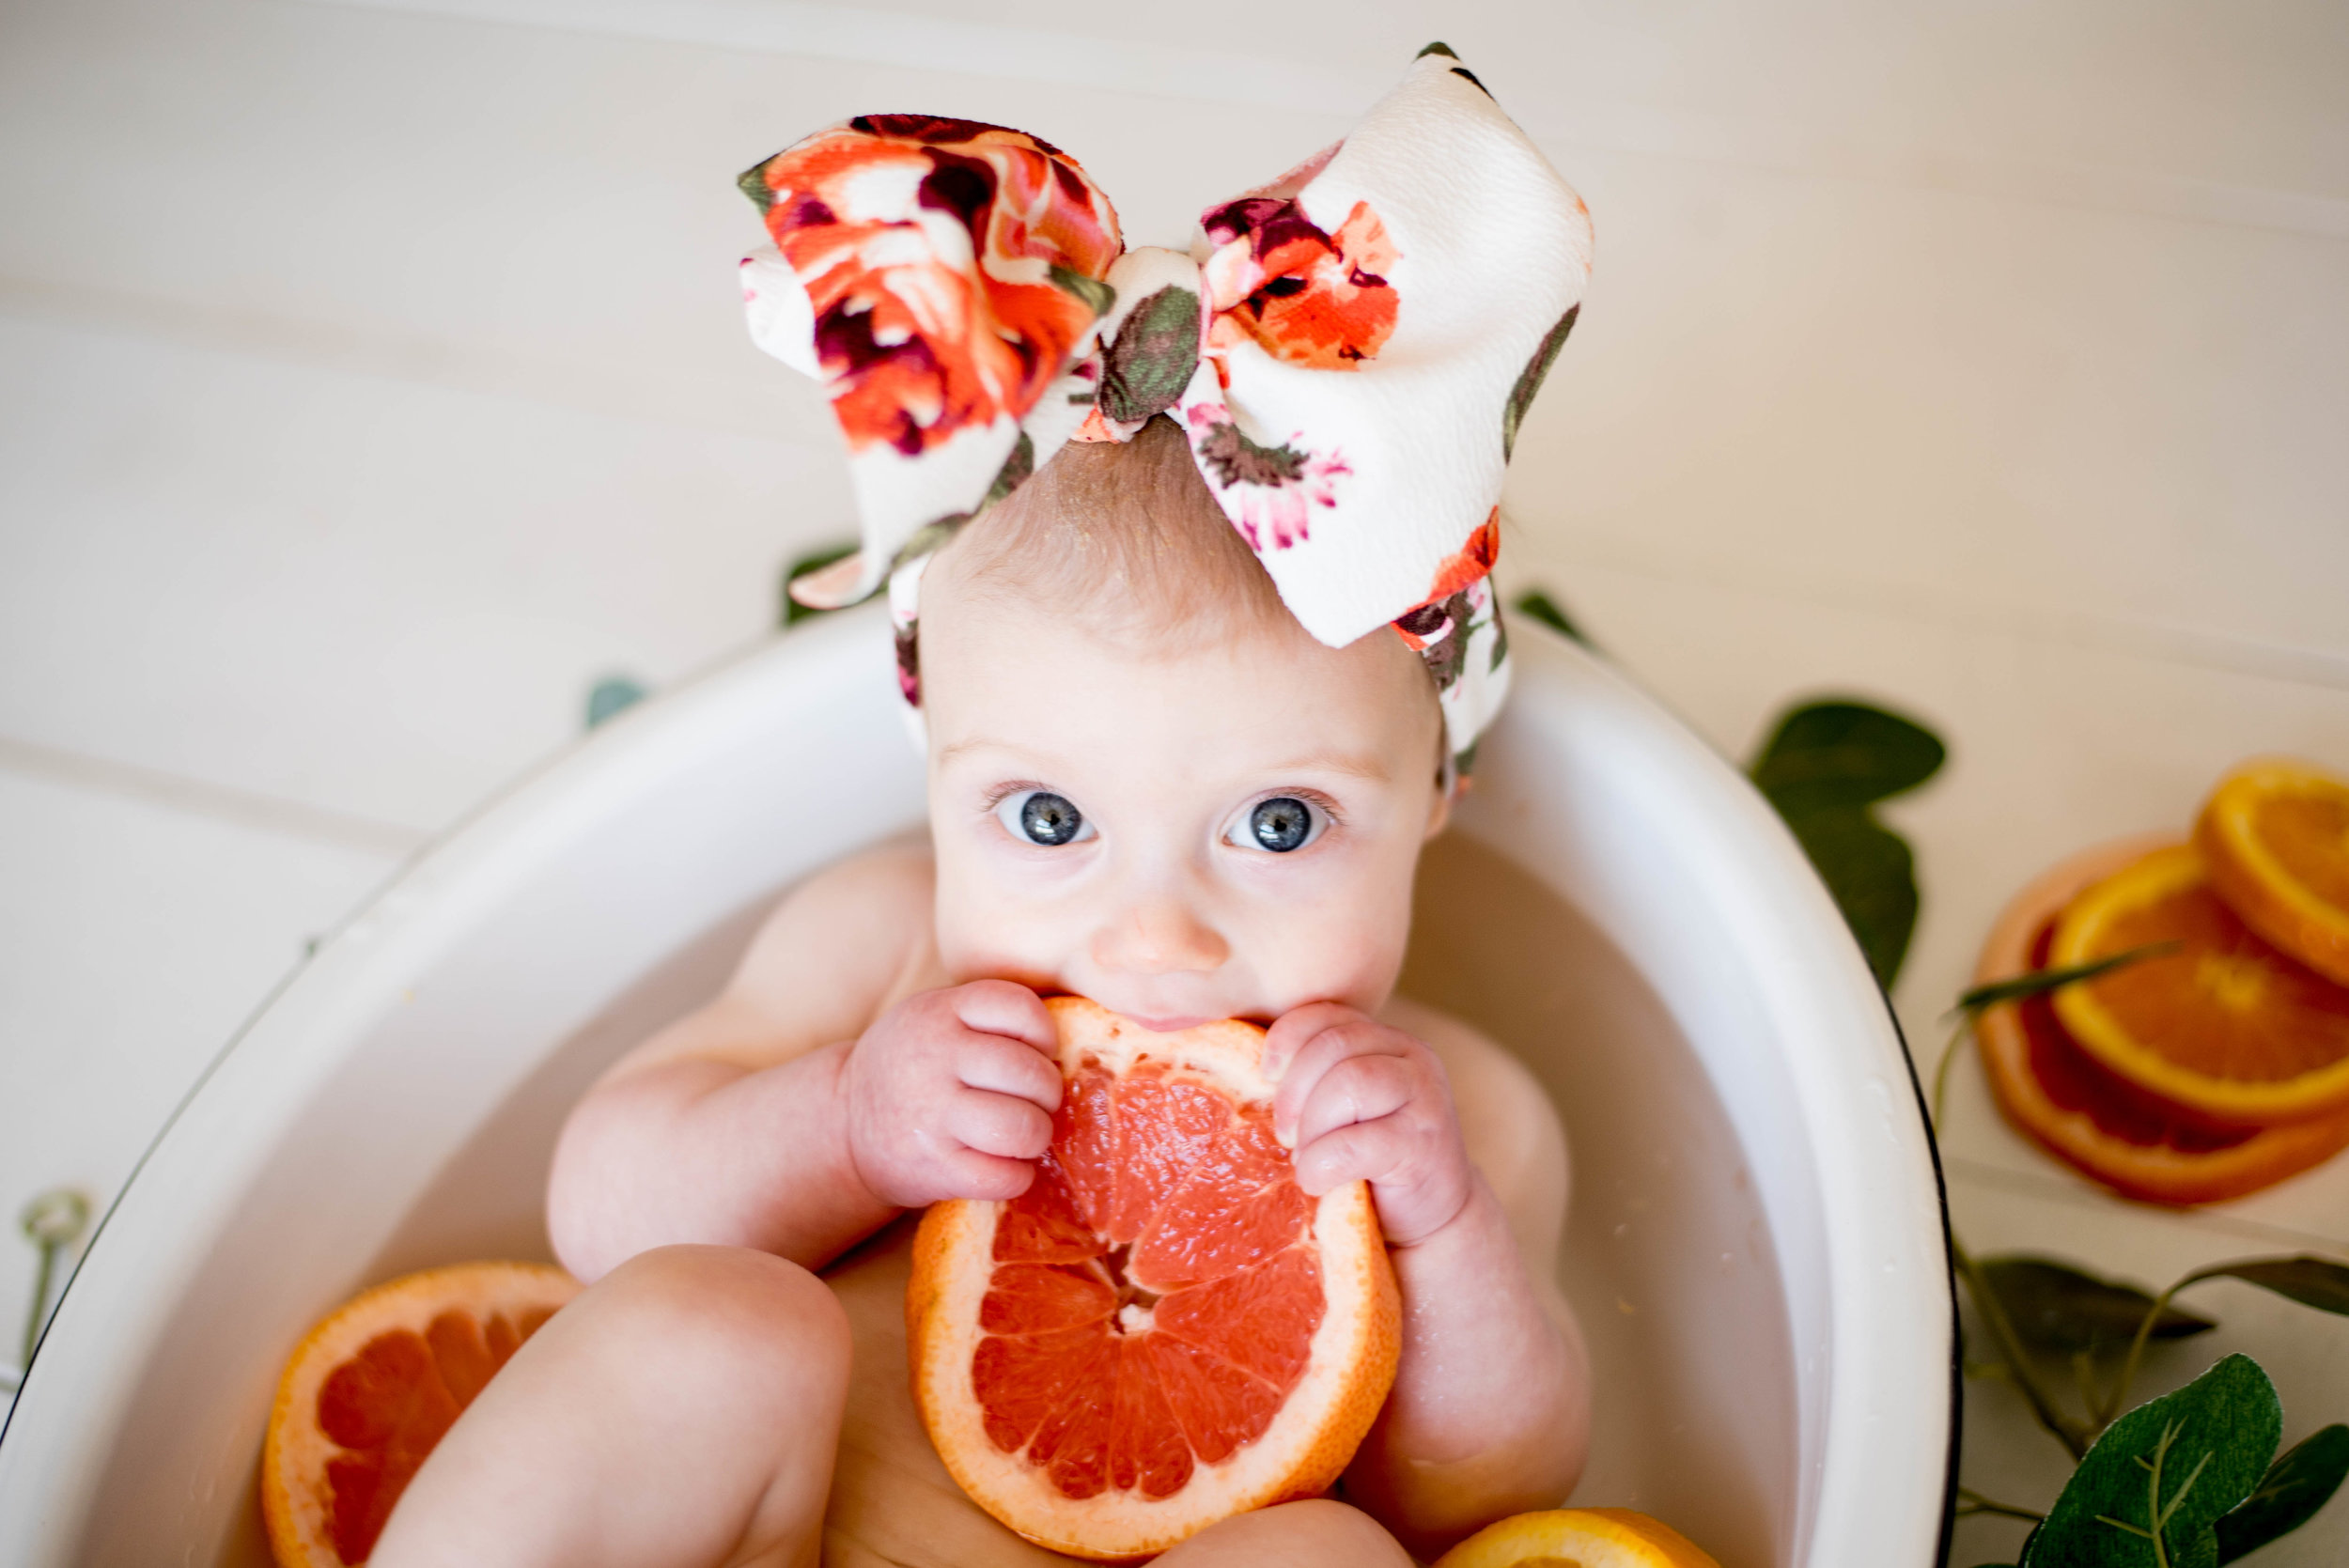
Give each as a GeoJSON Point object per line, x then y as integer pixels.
{"type": "Point", "coordinates": [683, 1411]}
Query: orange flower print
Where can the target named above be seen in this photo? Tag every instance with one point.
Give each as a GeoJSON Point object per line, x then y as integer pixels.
{"type": "Point", "coordinates": [1306, 296]}
{"type": "Point", "coordinates": [952, 268]}
{"type": "Point", "coordinates": [1472, 561]}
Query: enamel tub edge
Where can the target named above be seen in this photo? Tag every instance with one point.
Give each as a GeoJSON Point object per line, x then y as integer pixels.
{"type": "Point", "coordinates": [280, 1179]}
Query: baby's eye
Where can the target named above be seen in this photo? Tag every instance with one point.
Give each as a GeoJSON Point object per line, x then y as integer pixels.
{"type": "Point", "coordinates": [1040, 817]}
{"type": "Point", "coordinates": [1280, 825]}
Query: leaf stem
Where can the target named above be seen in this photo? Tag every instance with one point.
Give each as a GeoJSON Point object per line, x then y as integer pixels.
{"type": "Point", "coordinates": [1958, 1036]}
{"type": "Point", "coordinates": [2010, 1347]}
{"type": "Point", "coordinates": [1971, 1503]}
{"type": "Point", "coordinates": [2109, 1407]}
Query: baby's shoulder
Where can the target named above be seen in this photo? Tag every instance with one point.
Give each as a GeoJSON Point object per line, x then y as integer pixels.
{"type": "Point", "coordinates": [858, 934]}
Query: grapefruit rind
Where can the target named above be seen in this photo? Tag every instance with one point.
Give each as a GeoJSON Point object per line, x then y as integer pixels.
{"type": "Point", "coordinates": [2159, 1173]}
{"type": "Point", "coordinates": [1351, 1366]}
{"type": "Point", "coordinates": [2082, 936]}
{"type": "Point", "coordinates": [295, 1507]}
{"type": "Point", "coordinates": [1588, 1537]}
{"type": "Point", "coordinates": [2268, 896]}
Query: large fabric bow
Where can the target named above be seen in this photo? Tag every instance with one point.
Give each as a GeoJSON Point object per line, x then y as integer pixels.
{"type": "Point", "coordinates": [1349, 349]}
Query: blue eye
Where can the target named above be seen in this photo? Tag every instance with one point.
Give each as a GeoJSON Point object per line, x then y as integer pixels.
{"type": "Point", "coordinates": [1280, 825]}
{"type": "Point", "coordinates": [1039, 816]}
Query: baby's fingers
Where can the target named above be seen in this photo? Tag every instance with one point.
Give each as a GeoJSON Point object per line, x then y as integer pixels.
{"type": "Point", "coordinates": [1001, 1066]}
{"type": "Point", "coordinates": [1356, 1089]}
{"type": "Point", "coordinates": [998, 1124]}
{"type": "Point", "coordinates": [1349, 1038]}
{"type": "Point", "coordinates": [970, 1173]}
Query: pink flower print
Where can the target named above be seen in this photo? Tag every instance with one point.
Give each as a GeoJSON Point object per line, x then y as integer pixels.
{"type": "Point", "coordinates": [1268, 491]}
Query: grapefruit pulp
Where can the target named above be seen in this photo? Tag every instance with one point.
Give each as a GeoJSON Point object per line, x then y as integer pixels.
{"type": "Point", "coordinates": [1164, 1330]}
{"type": "Point", "coordinates": [370, 1390]}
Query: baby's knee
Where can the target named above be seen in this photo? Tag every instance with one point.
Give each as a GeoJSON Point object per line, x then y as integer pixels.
{"type": "Point", "coordinates": [728, 1318]}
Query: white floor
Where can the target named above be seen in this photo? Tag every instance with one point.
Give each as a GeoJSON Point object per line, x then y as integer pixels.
{"type": "Point", "coordinates": [372, 382]}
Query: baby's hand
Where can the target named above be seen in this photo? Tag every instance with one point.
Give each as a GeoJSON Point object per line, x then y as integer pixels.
{"type": "Point", "coordinates": [1360, 1101]}
{"type": "Point", "coordinates": [951, 1094]}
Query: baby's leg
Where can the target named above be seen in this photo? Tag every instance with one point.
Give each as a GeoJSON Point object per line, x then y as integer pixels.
{"type": "Point", "coordinates": [1314, 1534]}
{"type": "Point", "coordinates": [683, 1410]}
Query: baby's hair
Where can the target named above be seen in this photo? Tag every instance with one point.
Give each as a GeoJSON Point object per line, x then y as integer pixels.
{"type": "Point", "coordinates": [1122, 534]}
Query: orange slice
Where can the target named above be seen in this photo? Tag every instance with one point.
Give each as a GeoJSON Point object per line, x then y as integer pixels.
{"type": "Point", "coordinates": [2275, 836]}
{"type": "Point", "coordinates": [1164, 1330]}
{"type": "Point", "coordinates": [2087, 1115]}
{"type": "Point", "coordinates": [1579, 1537]}
{"type": "Point", "coordinates": [2227, 1027]}
{"type": "Point", "coordinates": [372, 1388]}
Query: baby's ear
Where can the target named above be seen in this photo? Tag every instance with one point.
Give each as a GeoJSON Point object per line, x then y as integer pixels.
{"type": "Point", "coordinates": [1449, 785]}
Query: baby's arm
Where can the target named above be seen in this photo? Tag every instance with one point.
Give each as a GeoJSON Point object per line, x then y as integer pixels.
{"type": "Point", "coordinates": [751, 1122]}
{"type": "Point", "coordinates": [1490, 1411]}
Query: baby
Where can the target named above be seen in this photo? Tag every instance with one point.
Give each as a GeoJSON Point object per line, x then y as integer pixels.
{"type": "Point", "coordinates": [1179, 762]}
{"type": "Point", "coordinates": [1148, 787]}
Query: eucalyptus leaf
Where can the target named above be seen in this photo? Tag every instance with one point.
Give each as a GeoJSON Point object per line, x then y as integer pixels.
{"type": "Point", "coordinates": [2152, 1490]}
{"type": "Point", "coordinates": [2037, 981]}
{"type": "Point", "coordinates": [2295, 1487]}
{"type": "Point", "coordinates": [2058, 1310]}
{"type": "Point", "coordinates": [1824, 763]}
{"type": "Point", "coordinates": [793, 610]}
{"type": "Point", "coordinates": [1871, 875]}
{"type": "Point", "coordinates": [1839, 753]}
{"type": "Point", "coordinates": [2313, 1282]}
{"type": "Point", "coordinates": [1536, 605]}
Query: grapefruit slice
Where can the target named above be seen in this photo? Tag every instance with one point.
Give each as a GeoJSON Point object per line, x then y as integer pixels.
{"type": "Point", "coordinates": [1579, 1537]}
{"type": "Point", "coordinates": [2080, 1110]}
{"type": "Point", "coordinates": [2275, 836]}
{"type": "Point", "coordinates": [2228, 1027]}
{"type": "Point", "coordinates": [1164, 1330]}
{"type": "Point", "coordinates": [371, 1389]}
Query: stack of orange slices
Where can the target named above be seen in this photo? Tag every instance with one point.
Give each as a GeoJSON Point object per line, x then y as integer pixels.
{"type": "Point", "coordinates": [2216, 1062]}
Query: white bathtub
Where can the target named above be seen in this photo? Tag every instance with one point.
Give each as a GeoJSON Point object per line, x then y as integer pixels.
{"type": "Point", "coordinates": [1756, 1242]}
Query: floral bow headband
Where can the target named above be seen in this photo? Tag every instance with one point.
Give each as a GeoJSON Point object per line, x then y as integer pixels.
{"type": "Point", "coordinates": [1349, 350]}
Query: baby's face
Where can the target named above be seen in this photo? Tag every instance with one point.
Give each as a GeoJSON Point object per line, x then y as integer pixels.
{"type": "Point", "coordinates": [1229, 830]}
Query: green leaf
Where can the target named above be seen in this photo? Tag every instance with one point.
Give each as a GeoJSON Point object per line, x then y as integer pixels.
{"type": "Point", "coordinates": [793, 610]}
{"type": "Point", "coordinates": [1536, 605]}
{"type": "Point", "coordinates": [611, 696]}
{"type": "Point", "coordinates": [1871, 875]}
{"type": "Point", "coordinates": [2058, 1309]}
{"type": "Point", "coordinates": [1844, 753]}
{"type": "Point", "coordinates": [2318, 1283]}
{"type": "Point", "coordinates": [1823, 765]}
{"type": "Point", "coordinates": [1151, 359]}
{"type": "Point", "coordinates": [2030, 985]}
{"type": "Point", "coordinates": [2296, 1486]}
{"type": "Point", "coordinates": [2161, 1476]}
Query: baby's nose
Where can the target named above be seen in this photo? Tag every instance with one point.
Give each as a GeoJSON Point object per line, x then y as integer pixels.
{"type": "Point", "coordinates": [1160, 937]}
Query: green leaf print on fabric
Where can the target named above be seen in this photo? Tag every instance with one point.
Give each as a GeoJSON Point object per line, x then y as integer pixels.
{"type": "Point", "coordinates": [1150, 363]}
{"type": "Point", "coordinates": [1240, 461]}
{"type": "Point", "coordinates": [1529, 380]}
{"type": "Point", "coordinates": [1093, 291]}
{"type": "Point", "coordinates": [752, 183]}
